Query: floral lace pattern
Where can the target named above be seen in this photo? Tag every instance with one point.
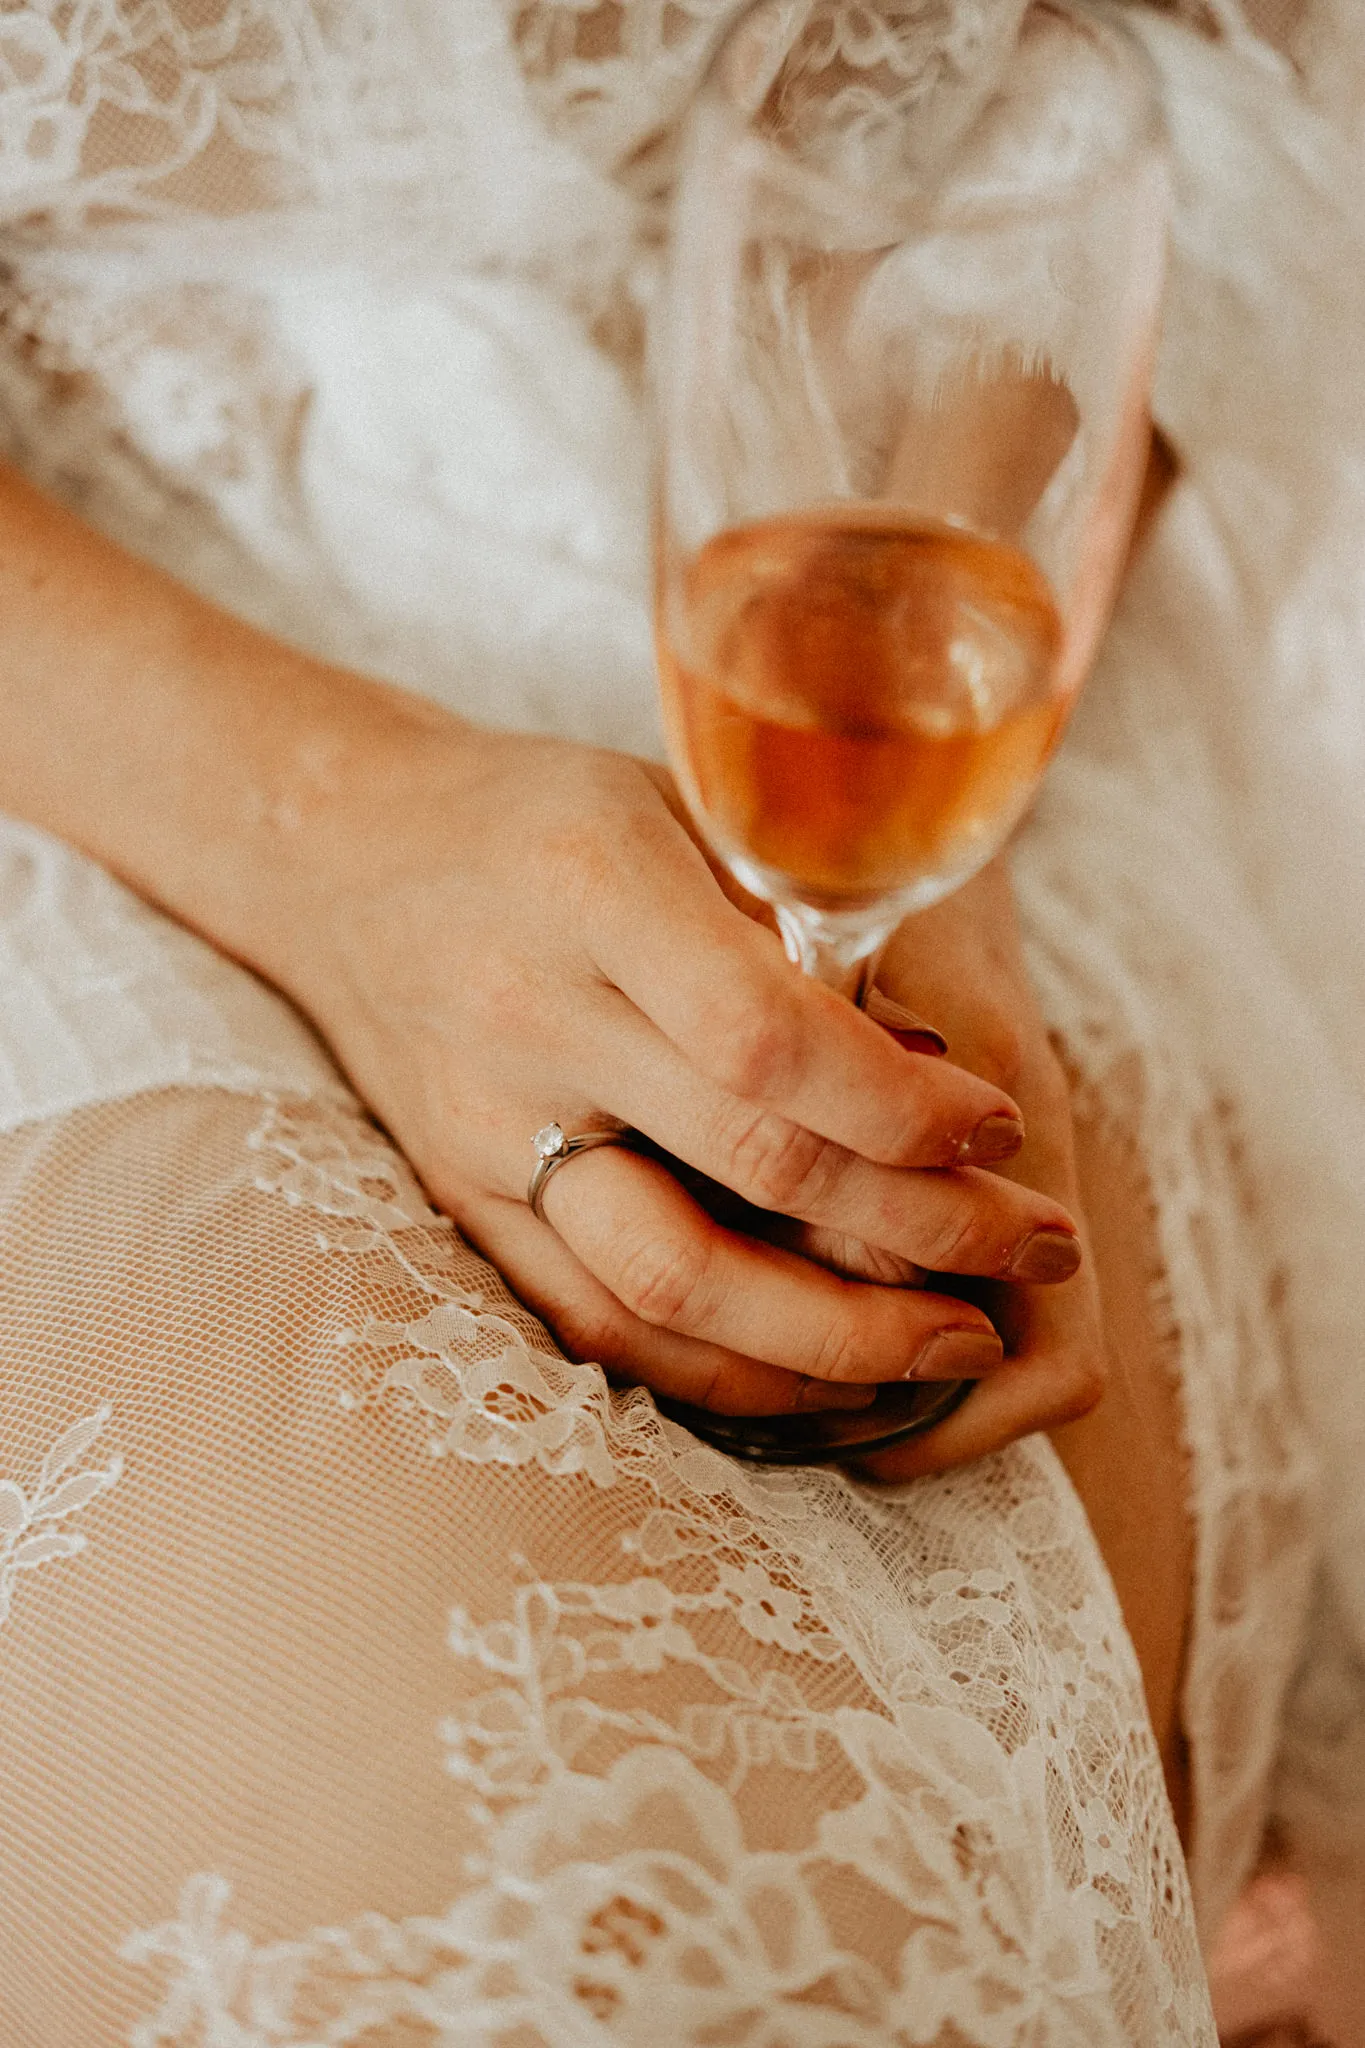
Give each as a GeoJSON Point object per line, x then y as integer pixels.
{"type": "Point", "coordinates": [104, 105]}
{"type": "Point", "coordinates": [807, 1763]}
{"type": "Point", "coordinates": [471, 1369]}
{"type": "Point", "coordinates": [32, 1531]}
{"type": "Point", "coordinates": [1251, 1464]}
{"type": "Point", "coordinates": [616, 79]}
{"type": "Point", "coordinates": [891, 1778]}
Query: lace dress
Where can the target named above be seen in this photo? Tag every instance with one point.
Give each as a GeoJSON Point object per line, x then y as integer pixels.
{"type": "Point", "coordinates": [371, 1675]}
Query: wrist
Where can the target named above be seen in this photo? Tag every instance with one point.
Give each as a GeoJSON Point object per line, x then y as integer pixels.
{"type": "Point", "coordinates": [324, 802]}
{"type": "Point", "coordinates": [221, 774]}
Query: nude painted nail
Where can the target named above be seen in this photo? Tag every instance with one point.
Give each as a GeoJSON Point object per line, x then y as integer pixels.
{"type": "Point", "coordinates": [904, 1026]}
{"type": "Point", "coordinates": [1046, 1255]}
{"type": "Point", "coordinates": [995, 1138]}
{"type": "Point", "coordinates": [957, 1355]}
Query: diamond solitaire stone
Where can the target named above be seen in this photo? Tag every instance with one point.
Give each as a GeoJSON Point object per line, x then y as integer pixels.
{"type": "Point", "coordinates": [549, 1142]}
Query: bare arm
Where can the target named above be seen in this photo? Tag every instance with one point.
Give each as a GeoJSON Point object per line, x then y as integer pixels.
{"type": "Point", "coordinates": [492, 930]}
{"type": "Point", "coordinates": [187, 752]}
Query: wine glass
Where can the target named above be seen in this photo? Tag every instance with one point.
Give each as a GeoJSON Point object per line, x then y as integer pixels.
{"type": "Point", "coordinates": [901, 369]}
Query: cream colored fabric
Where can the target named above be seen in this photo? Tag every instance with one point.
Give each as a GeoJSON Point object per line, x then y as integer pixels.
{"type": "Point", "coordinates": [385, 1681]}
{"type": "Point", "coordinates": [308, 299]}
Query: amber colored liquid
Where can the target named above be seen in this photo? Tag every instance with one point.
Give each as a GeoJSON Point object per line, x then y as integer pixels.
{"type": "Point", "coordinates": [859, 705]}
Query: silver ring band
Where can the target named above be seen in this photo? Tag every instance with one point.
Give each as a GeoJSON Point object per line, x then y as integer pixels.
{"type": "Point", "coordinates": [554, 1150]}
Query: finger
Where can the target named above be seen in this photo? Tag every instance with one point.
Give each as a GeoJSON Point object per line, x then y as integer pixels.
{"type": "Point", "coordinates": [910, 1032]}
{"type": "Point", "coordinates": [963, 1221]}
{"type": "Point", "coordinates": [1056, 1374]}
{"type": "Point", "coordinates": [592, 1325]}
{"type": "Point", "coordinates": [672, 1265]}
{"type": "Point", "coordinates": [851, 1256]}
{"type": "Point", "coordinates": [832, 1248]}
{"type": "Point", "coordinates": [722, 991]}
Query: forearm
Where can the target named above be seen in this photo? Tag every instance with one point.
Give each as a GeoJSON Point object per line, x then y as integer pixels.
{"type": "Point", "coordinates": [490, 931]}
{"type": "Point", "coordinates": [202, 761]}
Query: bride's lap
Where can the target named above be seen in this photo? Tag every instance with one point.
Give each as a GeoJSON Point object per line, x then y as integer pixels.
{"type": "Point", "coordinates": [619, 1752]}
{"type": "Point", "coordinates": [221, 1657]}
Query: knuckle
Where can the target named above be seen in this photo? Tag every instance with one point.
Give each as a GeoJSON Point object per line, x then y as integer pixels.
{"type": "Point", "coordinates": [871, 1262]}
{"type": "Point", "coordinates": [856, 1258]}
{"type": "Point", "coordinates": [781, 1165]}
{"type": "Point", "coordinates": [839, 1353]}
{"type": "Point", "coordinates": [499, 991]}
{"type": "Point", "coordinates": [961, 1242]}
{"type": "Point", "coordinates": [588, 823]}
{"type": "Point", "coordinates": [752, 1048]}
{"type": "Point", "coordinates": [662, 1278]}
{"type": "Point", "coordinates": [711, 1387]}
{"type": "Point", "coordinates": [723, 1389]}
{"type": "Point", "coordinates": [581, 866]}
{"type": "Point", "coordinates": [925, 1134]}
{"type": "Point", "coordinates": [585, 1333]}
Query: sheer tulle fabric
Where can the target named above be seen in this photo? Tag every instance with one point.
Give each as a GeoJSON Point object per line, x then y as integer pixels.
{"type": "Point", "coordinates": [384, 1677]}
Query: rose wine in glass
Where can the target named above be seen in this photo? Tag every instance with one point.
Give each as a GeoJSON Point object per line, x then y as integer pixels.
{"type": "Point", "coordinates": [860, 700]}
{"type": "Point", "coordinates": [901, 371]}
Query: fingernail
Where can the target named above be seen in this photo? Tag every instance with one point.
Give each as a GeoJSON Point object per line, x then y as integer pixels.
{"type": "Point", "coordinates": [904, 1026]}
{"type": "Point", "coordinates": [834, 1394]}
{"type": "Point", "coordinates": [995, 1138]}
{"type": "Point", "coordinates": [1046, 1255]}
{"type": "Point", "coordinates": [957, 1355]}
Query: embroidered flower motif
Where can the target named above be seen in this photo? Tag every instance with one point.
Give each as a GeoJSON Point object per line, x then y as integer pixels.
{"type": "Point", "coordinates": [643, 1860]}
{"type": "Point", "coordinates": [30, 1531]}
{"type": "Point", "coordinates": [650, 1636]}
{"type": "Point", "coordinates": [629, 1906]}
{"type": "Point", "coordinates": [767, 1612]}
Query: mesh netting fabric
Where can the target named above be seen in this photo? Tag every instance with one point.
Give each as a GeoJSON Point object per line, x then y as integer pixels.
{"type": "Point", "coordinates": [385, 1679]}
{"type": "Point", "coordinates": [307, 301]}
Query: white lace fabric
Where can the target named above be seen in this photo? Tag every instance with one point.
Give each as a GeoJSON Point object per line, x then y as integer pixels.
{"type": "Point", "coordinates": [473, 1702]}
{"type": "Point", "coordinates": [1106, 951]}
{"type": "Point", "coordinates": [306, 299]}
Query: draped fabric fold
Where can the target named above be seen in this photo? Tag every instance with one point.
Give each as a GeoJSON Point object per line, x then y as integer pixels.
{"type": "Point", "coordinates": [310, 300]}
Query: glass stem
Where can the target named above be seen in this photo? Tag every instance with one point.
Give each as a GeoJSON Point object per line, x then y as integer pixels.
{"type": "Point", "coordinates": [841, 952]}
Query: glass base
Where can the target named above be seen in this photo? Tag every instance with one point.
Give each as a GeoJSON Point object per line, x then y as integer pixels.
{"type": "Point", "coordinates": [827, 1436]}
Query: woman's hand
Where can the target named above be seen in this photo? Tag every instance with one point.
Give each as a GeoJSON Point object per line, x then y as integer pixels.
{"type": "Point", "coordinates": [961, 966]}
{"type": "Point", "coordinates": [492, 932]}
{"type": "Point", "coordinates": [510, 931]}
